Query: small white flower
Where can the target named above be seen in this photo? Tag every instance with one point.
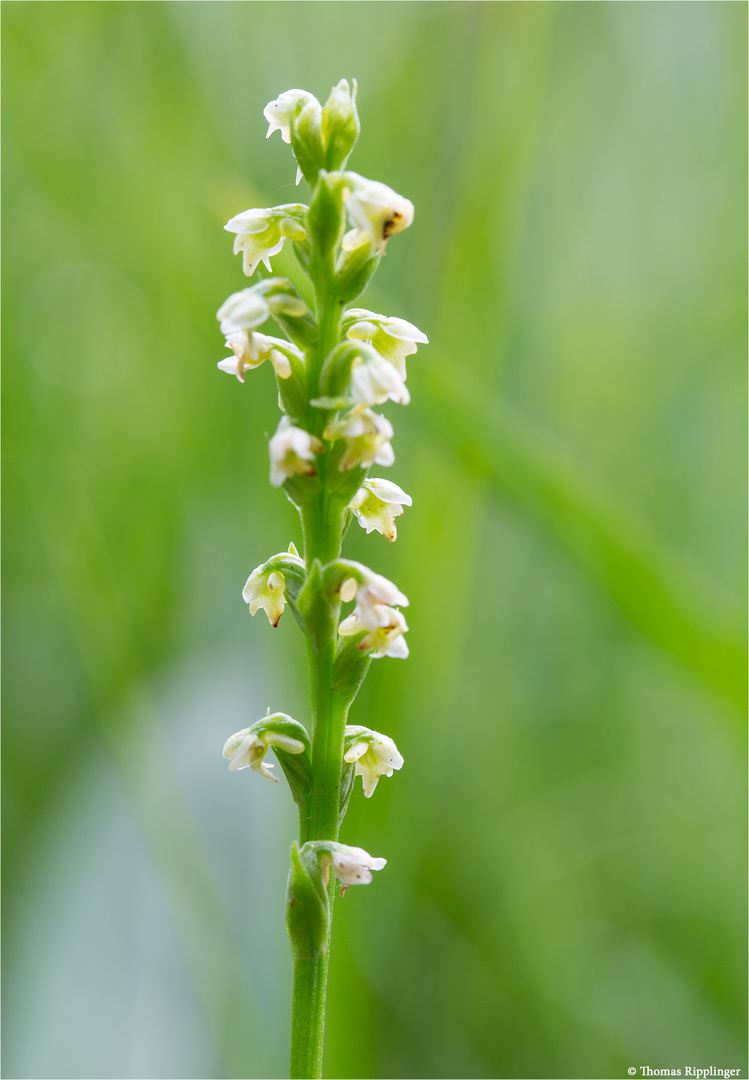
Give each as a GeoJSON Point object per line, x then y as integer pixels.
{"type": "Point", "coordinates": [374, 755]}
{"type": "Point", "coordinates": [292, 452]}
{"type": "Point", "coordinates": [243, 310]}
{"type": "Point", "coordinates": [374, 380]}
{"type": "Point", "coordinates": [371, 591]}
{"type": "Point", "coordinates": [266, 590]}
{"type": "Point", "coordinates": [386, 638]}
{"type": "Point", "coordinates": [266, 586]}
{"type": "Point", "coordinates": [252, 349]}
{"type": "Point", "coordinates": [376, 212]}
{"type": "Point", "coordinates": [352, 865]}
{"type": "Point", "coordinates": [367, 436]}
{"type": "Point", "coordinates": [247, 748]}
{"type": "Point", "coordinates": [261, 233]}
{"type": "Point", "coordinates": [279, 113]}
{"type": "Point", "coordinates": [394, 339]}
{"type": "Point", "coordinates": [377, 503]}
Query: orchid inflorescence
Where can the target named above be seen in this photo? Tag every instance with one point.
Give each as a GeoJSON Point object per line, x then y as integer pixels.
{"type": "Point", "coordinates": [334, 365]}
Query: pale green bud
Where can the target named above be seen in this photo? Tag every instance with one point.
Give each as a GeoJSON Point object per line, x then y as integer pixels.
{"type": "Point", "coordinates": [340, 124]}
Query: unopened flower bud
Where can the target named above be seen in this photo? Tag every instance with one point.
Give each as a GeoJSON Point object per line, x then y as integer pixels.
{"type": "Point", "coordinates": [340, 124]}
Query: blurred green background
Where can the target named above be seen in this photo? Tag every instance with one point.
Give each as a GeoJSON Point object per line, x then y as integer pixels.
{"type": "Point", "coordinates": [565, 888]}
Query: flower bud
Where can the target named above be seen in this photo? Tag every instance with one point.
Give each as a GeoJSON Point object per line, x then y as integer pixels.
{"type": "Point", "coordinates": [307, 141]}
{"type": "Point", "coordinates": [307, 904]}
{"type": "Point", "coordinates": [340, 124]}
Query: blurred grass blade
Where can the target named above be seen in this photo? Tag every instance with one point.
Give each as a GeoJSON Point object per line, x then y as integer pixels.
{"type": "Point", "coordinates": [88, 585]}
{"type": "Point", "coordinates": [649, 584]}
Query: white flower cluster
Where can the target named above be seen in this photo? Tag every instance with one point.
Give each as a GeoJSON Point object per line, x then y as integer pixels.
{"type": "Point", "coordinates": [321, 458]}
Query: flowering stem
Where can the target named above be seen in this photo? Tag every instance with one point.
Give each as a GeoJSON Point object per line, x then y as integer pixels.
{"type": "Point", "coordinates": [322, 526]}
{"type": "Point", "coordinates": [321, 458]}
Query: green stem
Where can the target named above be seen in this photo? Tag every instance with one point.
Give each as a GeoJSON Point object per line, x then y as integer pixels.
{"type": "Point", "coordinates": [308, 1013]}
{"type": "Point", "coordinates": [322, 526]}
